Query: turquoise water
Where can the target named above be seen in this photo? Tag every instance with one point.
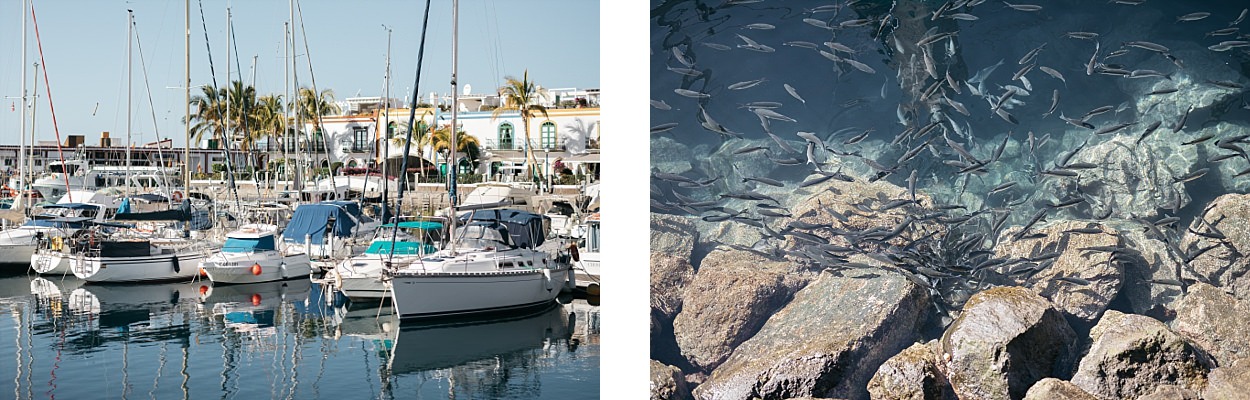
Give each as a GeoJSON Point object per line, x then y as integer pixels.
{"type": "Point", "coordinates": [66, 339]}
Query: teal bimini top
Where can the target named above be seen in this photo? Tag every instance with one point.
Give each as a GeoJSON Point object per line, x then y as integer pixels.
{"type": "Point", "coordinates": [417, 225]}
{"type": "Point", "coordinates": [401, 247]}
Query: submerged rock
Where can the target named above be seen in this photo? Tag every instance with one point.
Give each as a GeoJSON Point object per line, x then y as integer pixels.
{"type": "Point", "coordinates": [1085, 302]}
{"type": "Point", "coordinates": [668, 155]}
{"type": "Point", "coordinates": [1223, 263]}
{"type": "Point", "coordinates": [1148, 274]}
{"type": "Point", "coordinates": [1133, 179]}
{"type": "Point", "coordinates": [1055, 389]}
{"type": "Point", "coordinates": [911, 374]}
{"type": "Point", "coordinates": [1215, 321]}
{"type": "Point", "coordinates": [1005, 340]}
{"type": "Point", "coordinates": [843, 197]}
{"type": "Point", "coordinates": [729, 299]}
{"type": "Point", "coordinates": [672, 241]}
{"type": "Point", "coordinates": [667, 382]}
{"type": "Point", "coordinates": [826, 343]}
{"type": "Point", "coordinates": [1132, 355]}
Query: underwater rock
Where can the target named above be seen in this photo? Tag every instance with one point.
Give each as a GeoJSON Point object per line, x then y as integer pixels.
{"type": "Point", "coordinates": [827, 342]}
{"type": "Point", "coordinates": [1229, 381]}
{"type": "Point", "coordinates": [1224, 265]}
{"type": "Point", "coordinates": [1085, 302]}
{"type": "Point", "coordinates": [731, 296]}
{"type": "Point", "coordinates": [1131, 355]}
{"type": "Point", "coordinates": [911, 374]}
{"type": "Point", "coordinates": [1215, 321]}
{"type": "Point", "coordinates": [667, 382]}
{"type": "Point", "coordinates": [668, 155]}
{"type": "Point", "coordinates": [1225, 171]}
{"type": "Point", "coordinates": [1133, 179]}
{"type": "Point", "coordinates": [1143, 271]}
{"type": "Point", "coordinates": [1006, 339]}
{"type": "Point", "coordinates": [672, 241]}
{"type": "Point", "coordinates": [731, 168]}
{"type": "Point", "coordinates": [726, 232]}
{"type": "Point", "coordinates": [842, 197]}
{"type": "Point", "coordinates": [1055, 389]}
{"type": "Point", "coordinates": [1193, 90]}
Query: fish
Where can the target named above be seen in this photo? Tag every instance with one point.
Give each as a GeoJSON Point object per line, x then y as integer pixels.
{"type": "Point", "coordinates": [761, 104]}
{"type": "Point", "coordinates": [1084, 230]}
{"type": "Point", "coordinates": [800, 43]}
{"type": "Point", "coordinates": [716, 46]}
{"type": "Point", "coordinates": [747, 84]}
{"type": "Point", "coordinates": [1240, 17]}
{"type": "Point", "coordinates": [984, 73]}
{"type": "Point", "coordinates": [1076, 122]}
{"type": "Point", "coordinates": [852, 23]}
{"type": "Point", "coordinates": [860, 66]}
{"type": "Point", "coordinates": [660, 105]}
{"type": "Point", "coordinates": [1030, 55]}
{"type": "Point", "coordinates": [1041, 213]}
{"type": "Point", "coordinates": [1054, 103]}
{"type": "Point", "coordinates": [793, 93]}
{"type": "Point", "coordinates": [1191, 176]}
{"type": "Point", "coordinates": [1067, 203]}
{"type": "Point", "coordinates": [816, 23]}
{"type": "Point", "coordinates": [1073, 279]}
{"type": "Point", "coordinates": [781, 143]}
{"type": "Point", "coordinates": [1024, 7]}
{"type": "Point", "coordinates": [1002, 187]}
{"type": "Point", "coordinates": [1148, 46]}
{"type": "Point", "coordinates": [1181, 123]}
{"type": "Point", "coordinates": [686, 71]}
{"type": "Point", "coordinates": [1082, 35]}
{"type": "Point", "coordinates": [1162, 91]}
{"type": "Point", "coordinates": [691, 94]}
{"type": "Point", "coordinates": [760, 25]}
{"type": "Point", "coordinates": [809, 137]}
{"type": "Point", "coordinates": [858, 138]}
{"type": "Point", "coordinates": [1006, 116]}
{"type": "Point", "coordinates": [1052, 72]}
{"type": "Point", "coordinates": [840, 47]}
{"type": "Point", "coordinates": [1193, 16]}
{"type": "Point", "coordinates": [749, 149]}
{"type": "Point", "coordinates": [1089, 67]}
{"type": "Point", "coordinates": [766, 181]}
{"type": "Point", "coordinates": [1223, 32]}
{"type": "Point", "coordinates": [681, 57]}
{"type": "Point", "coordinates": [1114, 128]}
{"type": "Point", "coordinates": [661, 128]}
{"type": "Point", "coordinates": [962, 16]}
{"type": "Point", "coordinates": [1227, 84]}
{"type": "Point", "coordinates": [820, 178]}
{"type": "Point", "coordinates": [1060, 172]}
{"type": "Point", "coordinates": [1096, 111]}
{"type": "Point", "coordinates": [770, 114]}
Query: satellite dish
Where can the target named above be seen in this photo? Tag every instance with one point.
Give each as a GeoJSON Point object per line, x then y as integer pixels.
{"type": "Point", "coordinates": [467, 89]}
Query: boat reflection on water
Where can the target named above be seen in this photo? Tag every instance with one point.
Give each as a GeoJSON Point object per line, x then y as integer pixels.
{"type": "Point", "coordinates": [125, 310]}
{"type": "Point", "coordinates": [503, 343]}
{"type": "Point", "coordinates": [251, 307]}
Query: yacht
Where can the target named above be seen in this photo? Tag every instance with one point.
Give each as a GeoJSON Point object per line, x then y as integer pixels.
{"type": "Point", "coordinates": [250, 254]}
{"type": "Point", "coordinates": [144, 252]}
{"type": "Point", "coordinates": [360, 278]}
{"type": "Point", "coordinates": [586, 263]}
{"type": "Point", "coordinates": [492, 265]}
{"type": "Point", "coordinates": [78, 174]}
{"type": "Point", "coordinates": [64, 219]}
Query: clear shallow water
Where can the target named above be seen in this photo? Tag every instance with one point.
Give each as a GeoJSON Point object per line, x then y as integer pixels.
{"type": "Point", "coordinates": [276, 340]}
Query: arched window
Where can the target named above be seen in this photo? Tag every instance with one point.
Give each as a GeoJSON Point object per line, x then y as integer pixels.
{"type": "Point", "coordinates": [505, 136]}
{"type": "Point", "coordinates": [548, 130]}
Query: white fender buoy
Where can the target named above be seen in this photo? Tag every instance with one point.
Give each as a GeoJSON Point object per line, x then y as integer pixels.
{"type": "Point", "coordinates": [282, 268]}
{"type": "Point", "coordinates": [547, 278]}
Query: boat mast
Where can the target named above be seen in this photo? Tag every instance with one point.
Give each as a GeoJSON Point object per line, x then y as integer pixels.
{"type": "Point", "coordinates": [22, 171]}
{"type": "Point", "coordinates": [130, 18]}
{"type": "Point", "coordinates": [384, 126]}
{"type": "Point", "coordinates": [455, 106]}
{"type": "Point", "coordinates": [186, 151]}
{"type": "Point", "coordinates": [286, 120]}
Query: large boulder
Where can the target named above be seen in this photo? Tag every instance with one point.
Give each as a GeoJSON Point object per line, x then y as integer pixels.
{"type": "Point", "coordinates": [1228, 381]}
{"type": "Point", "coordinates": [1216, 322]}
{"type": "Point", "coordinates": [1132, 355]}
{"type": "Point", "coordinates": [728, 300]}
{"type": "Point", "coordinates": [667, 382]}
{"type": "Point", "coordinates": [1055, 389]}
{"type": "Point", "coordinates": [1084, 302]}
{"type": "Point", "coordinates": [1171, 392]}
{"type": "Point", "coordinates": [670, 156]}
{"type": "Point", "coordinates": [1005, 340]}
{"type": "Point", "coordinates": [1224, 265]}
{"type": "Point", "coordinates": [672, 243]}
{"type": "Point", "coordinates": [1149, 273]}
{"type": "Point", "coordinates": [826, 343]}
{"type": "Point", "coordinates": [911, 374]}
{"type": "Point", "coordinates": [1139, 177]}
{"type": "Point", "coordinates": [847, 198]}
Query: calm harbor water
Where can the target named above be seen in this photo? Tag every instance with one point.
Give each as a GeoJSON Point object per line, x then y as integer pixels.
{"type": "Point", "coordinates": [293, 339]}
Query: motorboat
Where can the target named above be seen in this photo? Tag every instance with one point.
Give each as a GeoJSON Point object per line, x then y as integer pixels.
{"type": "Point", "coordinates": [78, 174]}
{"type": "Point", "coordinates": [492, 265]}
{"type": "Point", "coordinates": [250, 254]}
{"type": "Point", "coordinates": [586, 264]}
{"type": "Point", "coordinates": [64, 219]}
{"type": "Point", "coordinates": [360, 277]}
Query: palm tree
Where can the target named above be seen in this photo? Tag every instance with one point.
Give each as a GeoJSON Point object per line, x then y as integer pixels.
{"type": "Point", "coordinates": [210, 111]}
{"type": "Point", "coordinates": [518, 95]}
{"type": "Point", "coordinates": [312, 106]}
{"type": "Point", "coordinates": [440, 141]}
{"type": "Point", "coordinates": [268, 121]}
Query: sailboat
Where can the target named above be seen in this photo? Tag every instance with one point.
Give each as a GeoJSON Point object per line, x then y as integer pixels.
{"type": "Point", "coordinates": [361, 277]}
{"type": "Point", "coordinates": [491, 264]}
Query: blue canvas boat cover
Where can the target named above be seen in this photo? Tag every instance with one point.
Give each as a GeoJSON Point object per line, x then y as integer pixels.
{"type": "Point", "coordinates": [524, 228]}
{"type": "Point", "coordinates": [312, 219]}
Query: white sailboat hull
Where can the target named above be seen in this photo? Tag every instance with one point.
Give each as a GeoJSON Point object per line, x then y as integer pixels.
{"type": "Point", "coordinates": [238, 267]}
{"type": "Point", "coordinates": [163, 267]}
{"type": "Point", "coordinates": [50, 263]}
{"type": "Point", "coordinates": [450, 294]}
{"type": "Point", "coordinates": [360, 277]}
{"type": "Point", "coordinates": [16, 253]}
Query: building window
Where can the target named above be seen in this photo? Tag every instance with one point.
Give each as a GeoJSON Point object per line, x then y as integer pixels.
{"type": "Point", "coordinates": [548, 130]}
{"type": "Point", "coordinates": [318, 143]}
{"type": "Point", "coordinates": [505, 136]}
{"type": "Point", "coordinates": [360, 139]}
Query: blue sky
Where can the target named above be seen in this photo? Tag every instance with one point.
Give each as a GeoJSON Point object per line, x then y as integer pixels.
{"type": "Point", "coordinates": [84, 44]}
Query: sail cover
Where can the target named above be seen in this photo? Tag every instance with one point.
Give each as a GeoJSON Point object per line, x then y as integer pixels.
{"type": "Point", "coordinates": [313, 219]}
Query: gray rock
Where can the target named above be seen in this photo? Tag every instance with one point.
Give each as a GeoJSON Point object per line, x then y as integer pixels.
{"type": "Point", "coordinates": [726, 232]}
{"type": "Point", "coordinates": [1171, 392]}
{"type": "Point", "coordinates": [1055, 389]}
{"type": "Point", "coordinates": [1226, 171]}
{"type": "Point", "coordinates": [672, 241]}
{"type": "Point", "coordinates": [1225, 265]}
{"type": "Point", "coordinates": [1139, 177]}
{"type": "Point", "coordinates": [668, 155]}
{"type": "Point", "coordinates": [1083, 302]}
{"type": "Point", "coordinates": [841, 197]}
{"type": "Point", "coordinates": [1155, 263]}
{"type": "Point", "coordinates": [731, 296]}
{"type": "Point", "coordinates": [1228, 381]}
{"type": "Point", "coordinates": [826, 343]}
{"type": "Point", "coordinates": [910, 374]}
{"type": "Point", "coordinates": [1215, 321]}
{"type": "Point", "coordinates": [1006, 339]}
{"type": "Point", "coordinates": [1132, 355]}
{"type": "Point", "coordinates": [667, 382]}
